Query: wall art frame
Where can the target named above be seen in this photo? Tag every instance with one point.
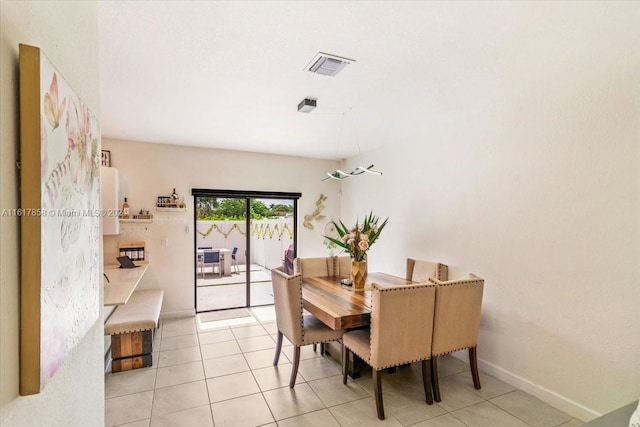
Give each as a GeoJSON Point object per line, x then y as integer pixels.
{"type": "Point", "coordinates": [105, 159]}
{"type": "Point", "coordinates": [60, 220]}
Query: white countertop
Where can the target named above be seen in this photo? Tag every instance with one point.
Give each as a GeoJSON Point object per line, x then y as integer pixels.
{"type": "Point", "coordinates": [122, 282]}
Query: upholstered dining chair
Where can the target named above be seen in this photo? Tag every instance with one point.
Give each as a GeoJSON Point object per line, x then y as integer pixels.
{"type": "Point", "coordinates": [299, 328]}
{"type": "Point", "coordinates": [400, 333]}
{"type": "Point", "coordinates": [420, 271]}
{"type": "Point", "coordinates": [314, 267]}
{"type": "Point", "coordinates": [341, 266]}
{"type": "Point", "coordinates": [456, 323]}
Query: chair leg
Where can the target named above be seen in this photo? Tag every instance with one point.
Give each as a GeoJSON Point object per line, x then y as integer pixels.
{"type": "Point", "coordinates": [345, 363]}
{"type": "Point", "coordinates": [426, 381]}
{"type": "Point", "coordinates": [473, 361]}
{"type": "Point", "coordinates": [377, 390]}
{"type": "Point", "coordinates": [315, 347]}
{"type": "Point", "coordinates": [296, 364]}
{"type": "Point", "coordinates": [434, 378]}
{"type": "Point", "coordinates": [276, 358]}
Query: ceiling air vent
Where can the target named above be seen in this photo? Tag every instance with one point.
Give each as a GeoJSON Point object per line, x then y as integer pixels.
{"type": "Point", "coordinates": [327, 64]}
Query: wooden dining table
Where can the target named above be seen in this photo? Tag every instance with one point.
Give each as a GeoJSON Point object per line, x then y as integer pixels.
{"type": "Point", "coordinates": [342, 307]}
{"type": "Point", "coordinates": [339, 306]}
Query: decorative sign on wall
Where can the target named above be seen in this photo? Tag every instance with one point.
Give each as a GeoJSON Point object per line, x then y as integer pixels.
{"type": "Point", "coordinates": [315, 215]}
{"type": "Point", "coordinates": [60, 220]}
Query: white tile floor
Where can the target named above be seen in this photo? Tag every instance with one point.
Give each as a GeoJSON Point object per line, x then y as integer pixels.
{"type": "Point", "coordinates": [221, 374]}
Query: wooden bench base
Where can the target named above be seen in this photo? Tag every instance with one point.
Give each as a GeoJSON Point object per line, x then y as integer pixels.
{"type": "Point", "coordinates": [131, 350]}
{"type": "Point", "coordinates": [131, 327]}
{"type": "Point", "coordinates": [130, 363]}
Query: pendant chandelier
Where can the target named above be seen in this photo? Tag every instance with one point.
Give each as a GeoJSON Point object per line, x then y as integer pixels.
{"type": "Point", "coordinates": [338, 174]}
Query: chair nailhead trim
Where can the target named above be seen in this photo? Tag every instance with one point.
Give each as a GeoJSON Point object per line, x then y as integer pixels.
{"type": "Point", "coordinates": [387, 366]}
{"type": "Point", "coordinates": [299, 275]}
{"type": "Point", "coordinates": [375, 286]}
{"type": "Point", "coordinates": [452, 351]}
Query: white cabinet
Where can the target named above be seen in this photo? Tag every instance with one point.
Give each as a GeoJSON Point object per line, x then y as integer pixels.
{"type": "Point", "coordinates": [109, 183]}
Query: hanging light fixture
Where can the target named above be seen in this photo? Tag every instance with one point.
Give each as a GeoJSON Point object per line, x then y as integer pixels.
{"type": "Point", "coordinates": [339, 174]}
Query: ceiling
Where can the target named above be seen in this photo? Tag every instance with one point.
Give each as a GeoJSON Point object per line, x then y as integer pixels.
{"type": "Point", "coordinates": [230, 74]}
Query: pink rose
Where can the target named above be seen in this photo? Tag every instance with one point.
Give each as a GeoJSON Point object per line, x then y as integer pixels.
{"type": "Point", "coordinates": [363, 245]}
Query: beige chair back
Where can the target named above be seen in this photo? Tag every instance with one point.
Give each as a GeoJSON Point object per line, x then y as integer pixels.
{"type": "Point", "coordinates": [457, 314]}
{"type": "Point", "coordinates": [314, 267]}
{"type": "Point", "coordinates": [420, 271]}
{"type": "Point", "coordinates": [401, 324]}
{"type": "Point", "coordinates": [287, 296]}
{"type": "Point", "coordinates": [341, 265]}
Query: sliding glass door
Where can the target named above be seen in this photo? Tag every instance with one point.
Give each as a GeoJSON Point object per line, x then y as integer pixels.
{"type": "Point", "coordinates": [220, 247]}
{"type": "Point", "coordinates": [239, 237]}
{"type": "Point", "coordinates": [272, 232]}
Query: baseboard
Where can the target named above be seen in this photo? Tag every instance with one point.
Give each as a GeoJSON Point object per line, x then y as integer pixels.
{"type": "Point", "coordinates": [559, 402]}
{"type": "Point", "coordinates": [178, 314]}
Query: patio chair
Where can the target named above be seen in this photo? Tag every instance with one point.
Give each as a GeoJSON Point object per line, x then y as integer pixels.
{"type": "Point", "coordinates": [234, 260]}
{"type": "Point", "coordinates": [212, 258]}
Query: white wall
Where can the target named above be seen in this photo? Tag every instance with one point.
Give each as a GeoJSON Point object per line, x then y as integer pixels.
{"type": "Point", "coordinates": [67, 32]}
{"type": "Point", "coordinates": [538, 193]}
{"type": "Point", "coordinates": [151, 170]}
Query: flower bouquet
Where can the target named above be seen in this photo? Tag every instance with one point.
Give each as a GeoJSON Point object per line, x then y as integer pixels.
{"type": "Point", "coordinates": [356, 241]}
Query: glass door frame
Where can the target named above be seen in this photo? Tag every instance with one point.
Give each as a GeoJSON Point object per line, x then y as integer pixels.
{"type": "Point", "coordinates": [247, 196]}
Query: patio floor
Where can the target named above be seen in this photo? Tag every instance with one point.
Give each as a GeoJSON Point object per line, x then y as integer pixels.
{"type": "Point", "coordinates": [216, 293]}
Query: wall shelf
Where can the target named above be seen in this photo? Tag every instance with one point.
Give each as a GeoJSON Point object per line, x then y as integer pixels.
{"type": "Point", "coordinates": [171, 209]}
{"type": "Point", "coordinates": [137, 220]}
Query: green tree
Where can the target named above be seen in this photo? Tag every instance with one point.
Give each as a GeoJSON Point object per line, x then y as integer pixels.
{"type": "Point", "coordinates": [279, 210]}
{"type": "Point", "coordinates": [206, 207]}
{"type": "Point", "coordinates": [231, 209]}
{"type": "Point", "coordinates": [212, 208]}
{"type": "Point", "coordinates": [259, 210]}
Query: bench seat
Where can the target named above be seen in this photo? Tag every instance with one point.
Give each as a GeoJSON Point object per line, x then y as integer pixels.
{"type": "Point", "coordinates": [131, 327]}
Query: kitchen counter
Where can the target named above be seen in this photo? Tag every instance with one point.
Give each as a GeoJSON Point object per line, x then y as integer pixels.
{"type": "Point", "coordinates": [122, 282]}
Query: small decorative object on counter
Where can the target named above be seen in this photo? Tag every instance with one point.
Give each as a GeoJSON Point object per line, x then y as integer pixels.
{"type": "Point", "coordinates": [125, 210]}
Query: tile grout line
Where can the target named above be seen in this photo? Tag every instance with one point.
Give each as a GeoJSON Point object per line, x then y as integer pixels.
{"type": "Point", "coordinates": [204, 372]}
{"type": "Point", "coordinates": [453, 376]}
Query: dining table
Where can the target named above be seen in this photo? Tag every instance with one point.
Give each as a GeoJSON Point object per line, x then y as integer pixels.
{"type": "Point", "coordinates": [341, 306]}
{"type": "Point", "coordinates": [225, 260]}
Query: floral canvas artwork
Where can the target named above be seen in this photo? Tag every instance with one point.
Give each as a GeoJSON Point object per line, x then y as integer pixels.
{"type": "Point", "coordinates": [69, 217]}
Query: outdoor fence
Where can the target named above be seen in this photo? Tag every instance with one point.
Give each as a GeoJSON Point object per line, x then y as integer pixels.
{"type": "Point", "coordinates": [270, 238]}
